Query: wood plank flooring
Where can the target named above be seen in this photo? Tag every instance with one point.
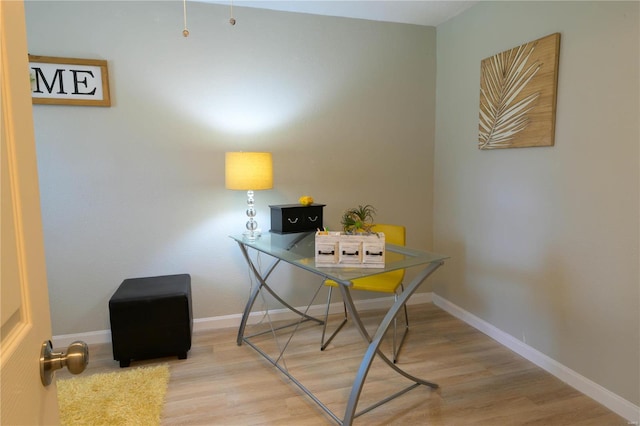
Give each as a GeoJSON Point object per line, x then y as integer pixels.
{"type": "Point", "coordinates": [481, 382]}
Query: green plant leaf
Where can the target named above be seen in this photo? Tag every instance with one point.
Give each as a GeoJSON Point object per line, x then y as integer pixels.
{"type": "Point", "coordinates": [359, 219]}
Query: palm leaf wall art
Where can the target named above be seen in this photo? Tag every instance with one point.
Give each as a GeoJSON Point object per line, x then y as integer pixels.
{"type": "Point", "coordinates": [518, 95]}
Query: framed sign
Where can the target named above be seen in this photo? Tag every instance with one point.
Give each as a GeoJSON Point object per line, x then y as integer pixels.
{"type": "Point", "coordinates": [69, 81]}
{"type": "Point", "coordinates": [518, 90]}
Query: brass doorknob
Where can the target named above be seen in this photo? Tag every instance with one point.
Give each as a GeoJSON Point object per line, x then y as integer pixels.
{"type": "Point", "coordinates": [76, 360]}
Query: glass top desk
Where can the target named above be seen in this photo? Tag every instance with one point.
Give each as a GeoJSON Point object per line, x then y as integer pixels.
{"type": "Point", "coordinates": [299, 250]}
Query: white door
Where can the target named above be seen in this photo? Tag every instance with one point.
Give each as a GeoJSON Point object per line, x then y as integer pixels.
{"type": "Point", "coordinates": [24, 298]}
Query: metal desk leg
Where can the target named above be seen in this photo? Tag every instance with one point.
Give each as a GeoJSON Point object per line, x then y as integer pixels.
{"type": "Point", "coordinates": [374, 344]}
{"type": "Point", "coordinates": [304, 317]}
{"type": "Point", "coordinates": [256, 291]}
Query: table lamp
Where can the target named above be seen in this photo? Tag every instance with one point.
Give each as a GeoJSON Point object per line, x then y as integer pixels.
{"type": "Point", "coordinates": [249, 171]}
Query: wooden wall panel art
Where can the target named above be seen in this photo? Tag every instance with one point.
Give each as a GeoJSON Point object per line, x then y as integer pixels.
{"type": "Point", "coordinates": [518, 95]}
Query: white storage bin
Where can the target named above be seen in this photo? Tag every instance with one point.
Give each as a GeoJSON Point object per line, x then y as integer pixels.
{"type": "Point", "coordinates": [336, 249]}
{"type": "Point", "coordinates": [327, 249]}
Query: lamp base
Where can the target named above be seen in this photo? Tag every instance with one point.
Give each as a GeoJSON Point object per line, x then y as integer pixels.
{"type": "Point", "coordinates": [251, 235]}
{"type": "Point", "coordinates": [252, 231]}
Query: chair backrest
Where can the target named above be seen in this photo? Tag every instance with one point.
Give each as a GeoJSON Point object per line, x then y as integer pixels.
{"type": "Point", "coordinates": [393, 234]}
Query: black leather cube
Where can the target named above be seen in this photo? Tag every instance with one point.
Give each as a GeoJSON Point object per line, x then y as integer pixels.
{"type": "Point", "coordinates": [151, 317]}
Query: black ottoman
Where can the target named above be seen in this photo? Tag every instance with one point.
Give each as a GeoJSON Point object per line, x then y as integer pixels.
{"type": "Point", "coordinates": [151, 318]}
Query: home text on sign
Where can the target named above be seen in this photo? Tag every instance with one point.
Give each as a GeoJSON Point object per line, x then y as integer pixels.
{"type": "Point", "coordinates": [69, 81]}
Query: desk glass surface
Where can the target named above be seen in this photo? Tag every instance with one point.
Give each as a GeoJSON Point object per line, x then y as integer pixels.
{"type": "Point", "coordinates": [299, 250]}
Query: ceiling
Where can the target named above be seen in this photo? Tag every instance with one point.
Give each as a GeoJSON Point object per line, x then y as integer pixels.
{"type": "Point", "coordinates": [419, 12]}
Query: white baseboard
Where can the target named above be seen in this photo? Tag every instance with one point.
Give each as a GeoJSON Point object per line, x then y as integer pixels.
{"type": "Point", "coordinates": [605, 397]}
{"type": "Point", "coordinates": [315, 311]}
{"type": "Point", "coordinates": [227, 321]}
{"type": "Point", "coordinates": [91, 338]}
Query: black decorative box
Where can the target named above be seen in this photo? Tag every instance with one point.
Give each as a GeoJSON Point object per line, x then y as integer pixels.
{"type": "Point", "coordinates": [288, 218]}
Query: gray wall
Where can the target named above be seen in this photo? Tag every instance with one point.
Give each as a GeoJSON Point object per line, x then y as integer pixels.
{"type": "Point", "coordinates": [544, 241]}
{"type": "Point", "coordinates": [346, 106]}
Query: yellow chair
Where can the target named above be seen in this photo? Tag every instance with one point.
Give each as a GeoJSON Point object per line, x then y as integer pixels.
{"type": "Point", "coordinates": [387, 282]}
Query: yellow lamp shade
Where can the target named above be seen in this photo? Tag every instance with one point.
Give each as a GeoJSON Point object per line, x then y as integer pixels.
{"type": "Point", "coordinates": [248, 171]}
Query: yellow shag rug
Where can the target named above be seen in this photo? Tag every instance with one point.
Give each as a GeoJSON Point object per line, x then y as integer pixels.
{"type": "Point", "coordinates": [129, 397]}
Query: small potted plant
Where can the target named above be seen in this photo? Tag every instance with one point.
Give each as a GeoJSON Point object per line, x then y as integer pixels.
{"type": "Point", "coordinates": [358, 220]}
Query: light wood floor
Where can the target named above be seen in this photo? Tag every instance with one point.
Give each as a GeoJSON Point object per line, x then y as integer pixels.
{"type": "Point", "coordinates": [481, 382]}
